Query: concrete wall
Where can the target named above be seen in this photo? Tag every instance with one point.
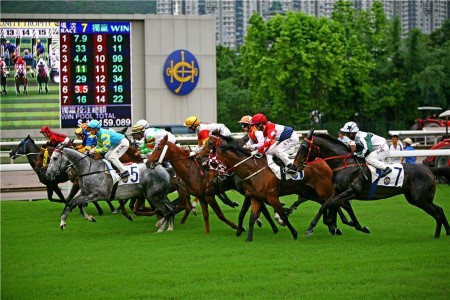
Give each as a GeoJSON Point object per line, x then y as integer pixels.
{"type": "Point", "coordinates": [154, 38]}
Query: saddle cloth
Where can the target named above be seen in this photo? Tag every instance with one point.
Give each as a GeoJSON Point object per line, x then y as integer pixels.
{"type": "Point", "coordinates": [393, 179]}
{"type": "Point", "coordinates": [276, 169]}
{"type": "Point", "coordinates": [131, 167]}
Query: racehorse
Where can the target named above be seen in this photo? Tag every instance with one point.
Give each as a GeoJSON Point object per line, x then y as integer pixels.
{"type": "Point", "coordinates": [21, 79]}
{"type": "Point", "coordinates": [96, 184]}
{"type": "Point", "coordinates": [193, 175]}
{"type": "Point", "coordinates": [42, 79]}
{"type": "Point", "coordinates": [352, 180]}
{"type": "Point", "coordinates": [262, 186]}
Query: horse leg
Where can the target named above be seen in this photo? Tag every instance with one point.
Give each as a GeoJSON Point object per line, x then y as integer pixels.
{"type": "Point", "coordinates": [275, 202]}
{"type": "Point", "coordinates": [205, 213]}
{"type": "Point", "coordinates": [354, 221]}
{"type": "Point", "coordinates": [216, 208]}
{"type": "Point", "coordinates": [123, 210]}
{"type": "Point", "coordinates": [55, 188]}
{"type": "Point", "coordinates": [265, 212]}
{"type": "Point", "coordinates": [226, 200]}
{"type": "Point", "coordinates": [242, 213]}
{"type": "Point", "coordinates": [111, 207]}
{"type": "Point", "coordinates": [46, 87]}
{"type": "Point", "coordinates": [98, 207]}
{"type": "Point", "coordinates": [295, 205]}
{"type": "Point", "coordinates": [80, 199]}
{"type": "Point", "coordinates": [255, 205]}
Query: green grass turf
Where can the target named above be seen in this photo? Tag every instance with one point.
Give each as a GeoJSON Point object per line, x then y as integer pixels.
{"type": "Point", "coordinates": [118, 259]}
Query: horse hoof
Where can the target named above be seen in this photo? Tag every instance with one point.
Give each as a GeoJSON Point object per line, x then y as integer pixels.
{"type": "Point", "coordinates": [338, 231]}
{"type": "Point", "coordinates": [234, 204]}
{"type": "Point", "coordinates": [309, 232]}
{"type": "Point", "coordinates": [259, 222]}
{"type": "Point", "coordinates": [248, 240]}
{"type": "Point", "coordinates": [365, 229]}
{"type": "Point", "coordinates": [63, 226]}
{"type": "Point", "coordinates": [130, 218]}
{"type": "Point", "coordinates": [275, 230]}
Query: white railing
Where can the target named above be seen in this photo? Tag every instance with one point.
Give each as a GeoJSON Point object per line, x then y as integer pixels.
{"type": "Point", "coordinates": [430, 135]}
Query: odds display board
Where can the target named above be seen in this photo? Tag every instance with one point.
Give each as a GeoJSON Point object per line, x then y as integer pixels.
{"type": "Point", "coordinates": [89, 64]}
{"type": "Point", "coordinates": [95, 72]}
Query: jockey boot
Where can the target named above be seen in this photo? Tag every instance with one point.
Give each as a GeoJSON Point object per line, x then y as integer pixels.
{"type": "Point", "coordinates": [125, 176]}
{"type": "Point", "coordinates": [290, 169]}
{"type": "Point", "coordinates": [385, 172]}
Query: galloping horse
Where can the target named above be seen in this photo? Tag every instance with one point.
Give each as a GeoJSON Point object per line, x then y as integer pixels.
{"type": "Point", "coordinates": [96, 185]}
{"type": "Point", "coordinates": [262, 186]}
{"type": "Point", "coordinates": [352, 180]}
{"type": "Point", "coordinates": [21, 79]}
{"type": "Point", "coordinates": [42, 78]}
{"type": "Point", "coordinates": [193, 175]}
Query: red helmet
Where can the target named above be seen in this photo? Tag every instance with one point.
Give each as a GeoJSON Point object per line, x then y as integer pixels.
{"type": "Point", "coordinates": [258, 119]}
{"type": "Point", "coordinates": [45, 129]}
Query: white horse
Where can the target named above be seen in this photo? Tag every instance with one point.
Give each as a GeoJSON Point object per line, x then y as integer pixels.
{"type": "Point", "coordinates": [96, 184]}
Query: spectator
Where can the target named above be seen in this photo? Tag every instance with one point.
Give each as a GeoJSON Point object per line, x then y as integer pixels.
{"type": "Point", "coordinates": [395, 146]}
{"type": "Point", "coordinates": [40, 50]}
{"type": "Point", "coordinates": [408, 146]}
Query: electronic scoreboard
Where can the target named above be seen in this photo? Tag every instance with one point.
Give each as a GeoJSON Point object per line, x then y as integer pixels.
{"type": "Point", "coordinates": [91, 62]}
{"type": "Point", "coordinates": [95, 81]}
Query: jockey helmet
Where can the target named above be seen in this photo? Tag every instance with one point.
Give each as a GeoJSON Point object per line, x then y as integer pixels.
{"type": "Point", "coordinates": [143, 123]}
{"type": "Point", "coordinates": [137, 129]}
{"type": "Point", "coordinates": [258, 119]}
{"type": "Point", "coordinates": [350, 127]}
{"type": "Point", "coordinates": [45, 129]}
{"type": "Point", "coordinates": [245, 120]}
{"type": "Point", "coordinates": [78, 131]}
{"type": "Point", "coordinates": [95, 124]}
{"type": "Point", "coordinates": [191, 121]}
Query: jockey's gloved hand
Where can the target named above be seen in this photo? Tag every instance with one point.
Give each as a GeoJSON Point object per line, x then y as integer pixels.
{"type": "Point", "coordinates": [192, 153]}
{"type": "Point", "coordinates": [256, 153]}
{"type": "Point", "coordinates": [92, 152]}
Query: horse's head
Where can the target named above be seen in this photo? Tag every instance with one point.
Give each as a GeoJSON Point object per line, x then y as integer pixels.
{"type": "Point", "coordinates": [21, 149]}
{"type": "Point", "coordinates": [307, 151]}
{"type": "Point", "coordinates": [158, 154]}
{"type": "Point", "coordinates": [58, 163]}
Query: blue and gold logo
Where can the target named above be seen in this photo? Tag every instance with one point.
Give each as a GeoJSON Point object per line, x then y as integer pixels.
{"type": "Point", "coordinates": [181, 72]}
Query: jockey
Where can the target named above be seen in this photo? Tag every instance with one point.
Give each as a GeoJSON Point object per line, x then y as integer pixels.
{"type": "Point", "coordinates": [54, 137]}
{"type": "Point", "coordinates": [42, 66]}
{"type": "Point", "coordinates": [88, 140]}
{"type": "Point", "coordinates": [204, 131]}
{"type": "Point", "coordinates": [256, 137]}
{"type": "Point", "coordinates": [278, 140]}
{"type": "Point", "coordinates": [151, 136]}
{"type": "Point", "coordinates": [110, 143]}
{"type": "Point", "coordinates": [3, 66]}
{"type": "Point", "coordinates": [370, 146]}
{"type": "Point", "coordinates": [20, 65]}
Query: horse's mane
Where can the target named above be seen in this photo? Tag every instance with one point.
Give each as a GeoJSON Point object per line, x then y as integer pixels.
{"type": "Point", "coordinates": [332, 140]}
{"type": "Point", "coordinates": [233, 145]}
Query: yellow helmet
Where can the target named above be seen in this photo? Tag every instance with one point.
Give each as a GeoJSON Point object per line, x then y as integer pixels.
{"type": "Point", "coordinates": [78, 131]}
{"type": "Point", "coordinates": [191, 121]}
{"type": "Point", "coordinates": [245, 120]}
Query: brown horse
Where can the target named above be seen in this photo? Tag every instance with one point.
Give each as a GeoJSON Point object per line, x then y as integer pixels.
{"type": "Point", "coordinates": [193, 174]}
{"type": "Point", "coordinates": [21, 79]}
{"type": "Point", "coordinates": [262, 186]}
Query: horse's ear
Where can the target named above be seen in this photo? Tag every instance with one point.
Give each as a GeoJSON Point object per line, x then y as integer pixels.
{"type": "Point", "coordinates": [164, 140]}
{"type": "Point", "coordinates": [310, 134]}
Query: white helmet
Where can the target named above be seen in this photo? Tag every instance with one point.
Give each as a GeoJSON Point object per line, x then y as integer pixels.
{"type": "Point", "coordinates": [350, 127]}
{"type": "Point", "coordinates": [143, 123]}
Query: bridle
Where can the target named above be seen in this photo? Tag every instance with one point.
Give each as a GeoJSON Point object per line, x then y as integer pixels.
{"type": "Point", "coordinates": [58, 171]}
{"type": "Point", "coordinates": [227, 171]}
{"type": "Point", "coordinates": [21, 147]}
{"type": "Point", "coordinates": [163, 154]}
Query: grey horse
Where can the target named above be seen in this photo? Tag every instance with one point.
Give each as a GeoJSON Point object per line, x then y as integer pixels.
{"type": "Point", "coordinates": [97, 184]}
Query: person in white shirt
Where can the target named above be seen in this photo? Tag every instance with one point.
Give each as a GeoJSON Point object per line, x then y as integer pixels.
{"type": "Point", "coordinates": [395, 146]}
{"type": "Point", "coordinates": [370, 146]}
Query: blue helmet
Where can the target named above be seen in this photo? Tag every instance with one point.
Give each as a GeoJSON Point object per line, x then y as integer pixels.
{"type": "Point", "coordinates": [95, 124]}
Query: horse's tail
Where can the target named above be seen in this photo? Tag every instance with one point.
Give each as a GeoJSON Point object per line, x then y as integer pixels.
{"type": "Point", "coordinates": [442, 173]}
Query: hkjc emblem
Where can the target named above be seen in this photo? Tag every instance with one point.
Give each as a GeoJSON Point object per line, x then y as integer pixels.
{"type": "Point", "coordinates": [181, 72]}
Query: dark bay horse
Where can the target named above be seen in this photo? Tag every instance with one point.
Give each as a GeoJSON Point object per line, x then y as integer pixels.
{"type": "Point", "coordinates": [193, 174]}
{"type": "Point", "coordinates": [96, 184]}
{"type": "Point", "coordinates": [352, 178]}
{"type": "Point", "coordinates": [21, 79]}
{"type": "Point", "coordinates": [262, 186]}
{"type": "Point", "coordinates": [42, 79]}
